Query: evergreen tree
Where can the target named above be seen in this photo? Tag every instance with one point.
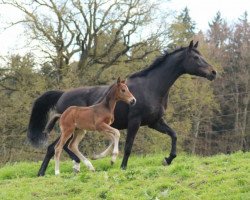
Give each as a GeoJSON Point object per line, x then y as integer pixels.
{"type": "Point", "coordinates": [218, 31]}
{"type": "Point", "coordinates": [181, 31]}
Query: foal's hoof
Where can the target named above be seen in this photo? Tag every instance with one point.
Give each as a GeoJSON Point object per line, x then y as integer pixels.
{"type": "Point", "coordinates": [76, 171]}
{"type": "Point", "coordinates": [57, 173]}
{"type": "Point", "coordinates": [112, 162]}
{"type": "Point", "coordinates": [92, 170]}
{"type": "Point", "coordinates": [95, 157]}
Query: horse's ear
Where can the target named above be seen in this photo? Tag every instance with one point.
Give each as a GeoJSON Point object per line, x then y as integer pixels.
{"type": "Point", "coordinates": [191, 45]}
{"type": "Point", "coordinates": [196, 44]}
{"type": "Point", "coordinates": [118, 80]}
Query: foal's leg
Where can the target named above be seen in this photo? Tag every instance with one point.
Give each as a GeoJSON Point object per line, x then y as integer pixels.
{"type": "Point", "coordinates": [76, 164]}
{"type": "Point", "coordinates": [116, 136]}
{"type": "Point", "coordinates": [73, 146]}
{"type": "Point", "coordinates": [58, 148]}
{"type": "Point", "coordinates": [106, 151]}
{"type": "Point", "coordinates": [116, 145]}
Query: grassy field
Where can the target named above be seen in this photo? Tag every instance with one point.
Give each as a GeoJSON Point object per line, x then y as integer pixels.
{"type": "Point", "coordinates": [189, 177]}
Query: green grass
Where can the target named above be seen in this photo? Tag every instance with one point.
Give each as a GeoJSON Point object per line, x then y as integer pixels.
{"type": "Point", "coordinates": [189, 177]}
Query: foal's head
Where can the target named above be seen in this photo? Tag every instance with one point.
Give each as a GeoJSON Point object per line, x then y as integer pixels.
{"type": "Point", "coordinates": [122, 92]}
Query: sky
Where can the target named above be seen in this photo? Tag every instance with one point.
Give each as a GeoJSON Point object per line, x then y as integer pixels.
{"type": "Point", "coordinates": [201, 12]}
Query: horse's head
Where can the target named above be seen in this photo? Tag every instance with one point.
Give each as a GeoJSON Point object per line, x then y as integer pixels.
{"type": "Point", "coordinates": [195, 64]}
{"type": "Point", "coordinates": [123, 93]}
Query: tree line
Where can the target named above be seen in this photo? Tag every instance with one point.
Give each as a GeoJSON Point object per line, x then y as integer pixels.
{"type": "Point", "coordinates": [92, 42]}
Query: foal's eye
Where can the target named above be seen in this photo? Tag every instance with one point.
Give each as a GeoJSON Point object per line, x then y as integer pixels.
{"type": "Point", "coordinates": [123, 90]}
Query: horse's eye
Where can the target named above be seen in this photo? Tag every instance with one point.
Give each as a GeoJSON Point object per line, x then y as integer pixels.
{"type": "Point", "coordinates": [196, 57]}
{"type": "Point", "coordinates": [123, 90]}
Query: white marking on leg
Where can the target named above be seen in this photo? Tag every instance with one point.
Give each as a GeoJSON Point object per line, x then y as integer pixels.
{"type": "Point", "coordinates": [104, 153]}
{"type": "Point", "coordinates": [116, 145]}
{"type": "Point", "coordinates": [88, 164]}
{"type": "Point", "coordinates": [76, 166]}
{"type": "Point", "coordinates": [57, 172]}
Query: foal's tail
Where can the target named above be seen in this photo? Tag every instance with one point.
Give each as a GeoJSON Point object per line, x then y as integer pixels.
{"type": "Point", "coordinates": [39, 116]}
{"type": "Point", "coordinates": [51, 124]}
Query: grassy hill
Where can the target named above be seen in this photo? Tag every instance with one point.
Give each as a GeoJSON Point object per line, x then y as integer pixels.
{"type": "Point", "coordinates": [189, 177]}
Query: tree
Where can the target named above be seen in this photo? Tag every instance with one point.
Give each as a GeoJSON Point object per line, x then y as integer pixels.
{"type": "Point", "coordinates": [74, 28]}
{"type": "Point", "coordinates": [20, 83]}
{"type": "Point", "coordinates": [218, 31]}
{"type": "Point", "coordinates": [181, 31]}
{"type": "Point", "coordinates": [238, 70]}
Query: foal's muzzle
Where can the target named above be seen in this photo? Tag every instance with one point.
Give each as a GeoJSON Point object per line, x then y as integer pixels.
{"type": "Point", "coordinates": [132, 102]}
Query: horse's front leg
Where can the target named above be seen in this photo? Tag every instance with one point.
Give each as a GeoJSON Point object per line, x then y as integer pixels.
{"type": "Point", "coordinates": [162, 127]}
{"type": "Point", "coordinates": [133, 126]}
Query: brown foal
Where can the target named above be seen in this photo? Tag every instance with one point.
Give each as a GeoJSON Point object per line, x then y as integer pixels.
{"type": "Point", "coordinates": [98, 117]}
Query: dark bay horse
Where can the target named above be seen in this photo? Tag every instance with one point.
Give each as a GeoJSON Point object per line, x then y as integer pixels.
{"type": "Point", "coordinates": [150, 87]}
{"type": "Point", "coordinates": [97, 117]}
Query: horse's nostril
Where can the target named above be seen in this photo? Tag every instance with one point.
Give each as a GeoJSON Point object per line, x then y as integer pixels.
{"type": "Point", "coordinates": [214, 72]}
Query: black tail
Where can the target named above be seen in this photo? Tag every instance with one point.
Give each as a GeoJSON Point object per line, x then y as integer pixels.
{"type": "Point", "coordinates": [39, 116]}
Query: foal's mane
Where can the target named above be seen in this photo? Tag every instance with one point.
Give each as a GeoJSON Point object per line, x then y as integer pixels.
{"type": "Point", "coordinates": [156, 63]}
{"type": "Point", "coordinates": [106, 93]}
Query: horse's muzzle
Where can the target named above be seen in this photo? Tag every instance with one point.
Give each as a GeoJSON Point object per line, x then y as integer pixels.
{"type": "Point", "coordinates": [132, 102]}
{"type": "Point", "coordinates": [212, 75]}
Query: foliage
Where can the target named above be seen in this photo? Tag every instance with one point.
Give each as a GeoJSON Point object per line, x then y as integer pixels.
{"type": "Point", "coordinates": [20, 83]}
{"type": "Point", "coordinates": [189, 177]}
{"type": "Point", "coordinates": [97, 32]}
{"type": "Point", "coordinates": [181, 30]}
{"type": "Point", "coordinates": [93, 42]}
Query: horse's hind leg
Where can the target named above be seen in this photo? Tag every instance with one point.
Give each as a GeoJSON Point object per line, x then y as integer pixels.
{"type": "Point", "coordinates": [50, 153]}
{"type": "Point", "coordinates": [73, 146]}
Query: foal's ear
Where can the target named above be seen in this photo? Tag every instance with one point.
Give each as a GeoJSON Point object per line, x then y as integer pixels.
{"type": "Point", "coordinates": [118, 80]}
{"type": "Point", "coordinates": [196, 44]}
{"type": "Point", "coordinates": [191, 45]}
{"type": "Point", "coordinates": [124, 81]}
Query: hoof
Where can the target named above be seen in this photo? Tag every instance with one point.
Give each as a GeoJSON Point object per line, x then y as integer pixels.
{"type": "Point", "coordinates": [76, 171]}
{"type": "Point", "coordinates": [40, 174]}
{"type": "Point", "coordinates": [57, 173]}
{"type": "Point", "coordinates": [112, 162]}
{"type": "Point", "coordinates": [123, 167]}
{"type": "Point", "coordinates": [164, 162]}
{"type": "Point", "coordinates": [94, 157]}
{"type": "Point", "coordinates": [92, 170]}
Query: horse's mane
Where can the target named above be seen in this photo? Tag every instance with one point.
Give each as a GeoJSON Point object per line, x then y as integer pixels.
{"type": "Point", "coordinates": [156, 63]}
